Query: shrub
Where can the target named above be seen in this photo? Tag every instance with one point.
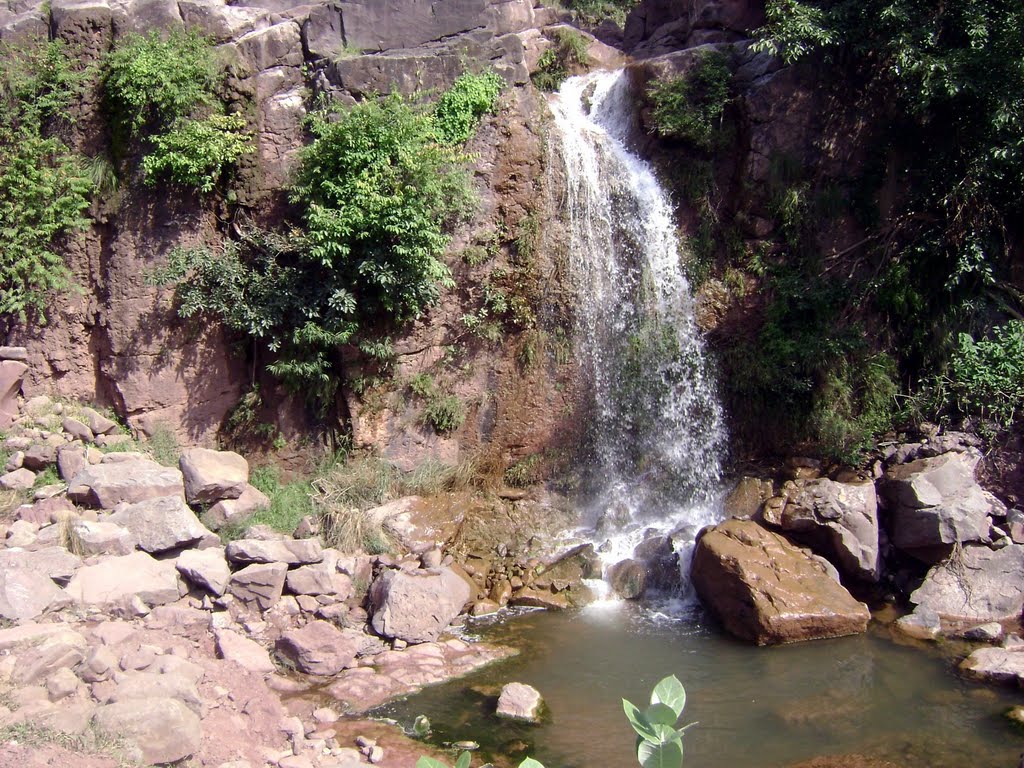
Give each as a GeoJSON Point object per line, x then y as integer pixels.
{"type": "Point", "coordinates": [659, 744]}
{"type": "Point", "coordinates": [567, 56]}
{"type": "Point", "coordinates": [44, 186]}
{"type": "Point", "coordinates": [986, 376]}
{"type": "Point", "coordinates": [443, 412]}
{"type": "Point", "coordinates": [593, 12]}
{"type": "Point", "coordinates": [690, 108]}
{"type": "Point", "coordinates": [460, 108]}
{"type": "Point", "coordinates": [152, 81]}
{"type": "Point", "coordinates": [195, 153]}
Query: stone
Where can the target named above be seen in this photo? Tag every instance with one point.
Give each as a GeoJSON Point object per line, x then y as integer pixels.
{"type": "Point", "coordinates": [54, 562]}
{"type": "Point", "coordinates": [922, 624]}
{"type": "Point", "coordinates": [261, 583]}
{"type": "Point", "coordinates": [519, 701]}
{"type": "Point", "coordinates": [16, 461]}
{"type": "Point", "coordinates": [114, 579]}
{"type": "Point", "coordinates": [231, 511]}
{"type": "Point", "coordinates": [532, 597]}
{"type": "Point", "coordinates": [21, 533]}
{"type": "Point", "coordinates": [747, 497]}
{"type": "Point", "coordinates": [25, 594]}
{"type": "Point", "coordinates": [97, 422]}
{"type": "Point", "coordinates": [61, 684]}
{"type": "Point", "coordinates": [101, 537]}
{"type": "Point", "coordinates": [77, 429]}
{"type": "Point", "coordinates": [12, 372]}
{"type": "Point", "coordinates": [416, 607]}
{"type": "Point", "coordinates": [248, 654]}
{"type": "Point", "coordinates": [213, 475]}
{"type": "Point", "coordinates": [34, 635]}
{"type": "Point", "coordinates": [838, 520]}
{"type": "Point", "coordinates": [39, 456]}
{"type": "Point", "coordinates": [14, 353]}
{"type": "Point", "coordinates": [19, 480]}
{"type": "Point", "coordinates": [140, 686]}
{"type": "Point", "coordinates": [206, 568]}
{"type": "Point", "coordinates": [628, 579]}
{"type": "Point", "coordinates": [133, 480]}
{"type": "Point", "coordinates": [99, 665]}
{"type": "Point", "coordinates": [976, 584]}
{"type": "Point", "coordinates": [766, 590]}
{"type": "Point", "coordinates": [985, 633]}
{"type": "Point", "coordinates": [62, 649]}
{"type": "Point", "coordinates": [290, 551]}
{"type": "Point", "coordinates": [935, 503]}
{"type": "Point", "coordinates": [319, 579]}
{"type": "Point", "coordinates": [46, 511]}
{"type": "Point", "coordinates": [161, 524]}
{"type": "Point", "coordinates": [484, 608]}
{"type": "Point", "coordinates": [320, 648]}
{"type": "Point", "coordinates": [164, 729]}
{"type": "Point", "coordinates": [996, 665]}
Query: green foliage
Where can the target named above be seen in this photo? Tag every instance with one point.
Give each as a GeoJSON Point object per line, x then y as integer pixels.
{"type": "Point", "coordinates": [195, 153]}
{"type": "Point", "coordinates": [151, 81]}
{"type": "Point", "coordinates": [659, 743]}
{"type": "Point", "coordinates": [464, 760]}
{"type": "Point", "coordinates": [289, 502]}
{"type": "Point", "coordinates": [44, 186]}
{"type": "Point", "coordinates": [566, 57]}
{"type": "Point", "coordinates": [460, 108]}
{"type": "Point", "coordinates": [793, 29]}
{"type": "Point", "coordinates": [593, 12]}
{"type": "Point", "coordinates": [444, 412]}
{"type": "Point", "coordinates": [986, 376]}
{"type": "Point", "coordinates": [163, 446]}
{"type": "Point", "coordinates": [691, 107]}
{"type": "Point", "coordinates": [524, 472]}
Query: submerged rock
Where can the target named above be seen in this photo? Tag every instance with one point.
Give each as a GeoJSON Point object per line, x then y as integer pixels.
{"type": "Point", "coordinates": [519, 701]}
{"type": "Point", "coordinates": [996, 665]}
{"type": "Point", "coordinates": [768, 591]}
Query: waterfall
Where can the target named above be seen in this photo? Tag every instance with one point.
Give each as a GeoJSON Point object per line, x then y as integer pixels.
{"type": "Point", "coordinates": [656, 432]}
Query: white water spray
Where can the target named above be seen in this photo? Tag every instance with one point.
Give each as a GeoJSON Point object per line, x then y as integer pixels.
{"type": "Point", "coordinates": [657, 432]}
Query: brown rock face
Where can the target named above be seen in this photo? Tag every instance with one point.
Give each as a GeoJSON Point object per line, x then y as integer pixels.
{"type": "Point", "coordinates": [765, 590]}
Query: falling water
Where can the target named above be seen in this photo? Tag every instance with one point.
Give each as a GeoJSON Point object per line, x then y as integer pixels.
{"type": "Point", "coordinates": [657, 435]}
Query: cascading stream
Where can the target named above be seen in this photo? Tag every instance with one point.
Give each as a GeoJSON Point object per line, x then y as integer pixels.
{"type": "Point", "coordinates": [657, 434]}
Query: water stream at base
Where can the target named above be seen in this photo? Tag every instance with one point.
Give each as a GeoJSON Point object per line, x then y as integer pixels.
{"type": "Point", "coordinates": [657, 435]}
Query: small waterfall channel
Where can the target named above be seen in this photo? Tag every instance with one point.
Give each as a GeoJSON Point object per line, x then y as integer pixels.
{"type": "Point", "coordinates": [657, 436]}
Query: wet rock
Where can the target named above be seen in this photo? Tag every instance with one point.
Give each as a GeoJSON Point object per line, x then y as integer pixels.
{"type": "Point", "coordinates": [213, 475]}
{"type": "Point", "coordinates": [519, 701]}
{"type": "Point", "coordinates": [206, 568]}
{"type": "Point", "coordinates": [290, 551]}
{"type": "Point", "coordinates": [161, 524]}
{"type": "Point", "coordinates": [25, 594]}
{"type": "Point", "coordinates": [154, 582]}
{"type": "Point", "coordinates": [250, 655]}
{"type": "Point", "coordinates": [746, 498]}
{"type": "Point", "coordinates": [839, 520]}
{"type": "Point", "coordinates": [985, 633]}
{"type": "Point", "coordinates": [936, 503]}
{"type": "Point", "coordinates": [996, 665]}
{"type": "Point", "coordinates": [107, 485]}
{"type": "Point", "coordinates": [766, 590]}
{"type": "Point", "coordinates": [231, 511]}
{"type": "Point", "coordinates": [660, 560]}
{"type": "Point", "coordinates": [976, 584]}
{"type": "Point", "coordinates": [628, 579]}
{"type": "Point", "coordinates": [259, 583]}
{"type": "Point", "coordinates": [163, 729]}
{"type": "Point", "coordinates": [417, 607]}
{"type": "Point", "coordinates": [922, 624]}
{"type": "Point", "coordinates": [320, 648]}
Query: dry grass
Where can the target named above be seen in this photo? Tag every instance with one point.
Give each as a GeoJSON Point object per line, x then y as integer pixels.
{"type": "Point", "coordinates": [10, 501]}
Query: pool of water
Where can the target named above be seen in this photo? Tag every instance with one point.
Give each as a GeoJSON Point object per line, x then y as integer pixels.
{"type": "Point", "coordinates": [756, 707]}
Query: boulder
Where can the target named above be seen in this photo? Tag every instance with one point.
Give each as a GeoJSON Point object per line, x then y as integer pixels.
{"type": "Point", "coordinates": [77, 429]}
{"type": "Point", "coordinates": [100, 537]}
{"type": "Point", "coordinates": [12, 372]}
{"type": "Point", "coordinates": [230, 511]}
{"type": "Point", "coordinates": [922, 624]}
{"type": "Point", "coordinates": [213, 475]}
{"type": "Point", "coordinates": [164, 729]}
{"type": "Point", "coordinates": [115, 579]}
{"type": "Point", "coordinates": [764, 589]}
{"type": "Point", "coordinates": [248, 654]}
{"type": "Point", "coordinates": [47, 511]}
{"type": "Point", "coordinates": [19, 480]}
{"type": "Point", "coordinates": [996, 665]}
{"type": "Point", "coordinates": [319, 579]}
{"type": "Point", "coordinates": [935, 503]}
{"type": "Point", "coordinates": [975, 584]}
{"type": "Point", "coordinates": [39, 456]}
{"type": "Point", "coordinates": [628, 579]}
{"type": "Point", "coordinates": [54, 562]}
{"type": "Point", "coordinates": [533, 597]}
{"type": "Point", "coordinates": [290, 551]}
{"type": "Point", "coordinates": [519, 701]}
{"type": "Point", "coordinates": [259, 583]}
{"type": "Point", "coordinates": [320, 648]}
{"type": "Point", "coordinates": [416, 607]}
{"type": "Point", "coordinates": [62, 649]}
{"type": "Point", "coordinates": [992, 632]}
{"type": "Point", "coordinates": [24, 593]}
{"type": "Point", "coordinates": [206, 568]}
{"type": "Point", "coordinates": [97, 422]}
{"type": "Point", "coordinates": [161, 524]}
{"type": "Point", "coordinates": [70, 461]}
{"type": "Point", "coordinates": [140, 686]}
{"type": "Point", "coordinates": [839, 520]}
{"type": "Point", "coordinates": [133, 480]}
{"type": "Point", "coordinates": [747, 497]}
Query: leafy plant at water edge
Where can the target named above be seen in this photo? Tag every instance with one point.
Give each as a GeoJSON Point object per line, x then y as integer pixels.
{"type": "Point", "coordinates": [659, 743]}
{"type": "Point", "coordinates": [567, 56]}
{"type": "Point", "coordinates": [690, 107]}
{"type": "Point", "coordinates": [459, 109]}
{"type": "Point", "coordinates": [44, 187]}
{"type": "Point", "coordinates": [195, 153]}
{"type": "Point", "coordinates": [464, 761]}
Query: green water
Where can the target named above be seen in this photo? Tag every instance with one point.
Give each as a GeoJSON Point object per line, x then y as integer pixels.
{"type": "Point", "coordinates": [756, 707]}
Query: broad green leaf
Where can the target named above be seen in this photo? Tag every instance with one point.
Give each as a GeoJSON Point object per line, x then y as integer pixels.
{"type": "Point", "coordinates": [638, 721]}
{"type": "Point", "coordinates": [670, 692]}
{"type": "Point", "coordinates": [667, 755]}
{"type": "Point", "coordinates": [429, 762]}
{"type": "Point", "coordinates": [661, 714]}
{"type": "Point", "coordinates": [530, 763]}
{"type": "Point", "coordinates": [463, 761]}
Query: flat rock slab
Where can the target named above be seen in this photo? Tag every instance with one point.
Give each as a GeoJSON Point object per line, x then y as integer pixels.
{"type": "Point", "coordinates": [161, 524]}
{"type": "Point", "coordinates": [261, 583]}
{"type": "Point", "coordinates": [55, 562]}
{"type": "Point", "coordinates": [418, 606]}
{"type": "Point", "coordinates": [248, 654]}
{"type": "Point", "coordinates": [205, 568]}
{"type": "Point", "coordinates": [213, 475]}
{"type": "Point", "coordinates": [320, 648]}
{"type": "Point", "coordinates": [102, 537]}
{"type": "Point", "coordinates": [163, 729]}
{"type": "Point", "coordinates": [109, 484]}
{"type": "Point", "coordinates": [976, 584]}
{"type": "Point", "coordinates": [766, 590]}
{"type": "Point", "coordinates": [25, 594]}
{"type": "Point", "coordinates": [111, 581]}
{"type": "Point", "coordinates": [319, 579]}
{"type": "Point", "coordinates": [230, 511]}
{"type": "Point", "coordinates": [996, 665]}
{"type": "Point", "coordinates": [289, 551]}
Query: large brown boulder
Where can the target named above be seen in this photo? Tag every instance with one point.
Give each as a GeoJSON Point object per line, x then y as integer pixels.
{"type": "Point", "coordinates": [108, 484]}
{"type": "Point", "coordinates": [766, 590]}
{"type": "Point", "coordinates": [416, 607]}
{"type": "Point", "coordinates": [320, 648]}
{"type": "Point", "coordinates": [213, 475]}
